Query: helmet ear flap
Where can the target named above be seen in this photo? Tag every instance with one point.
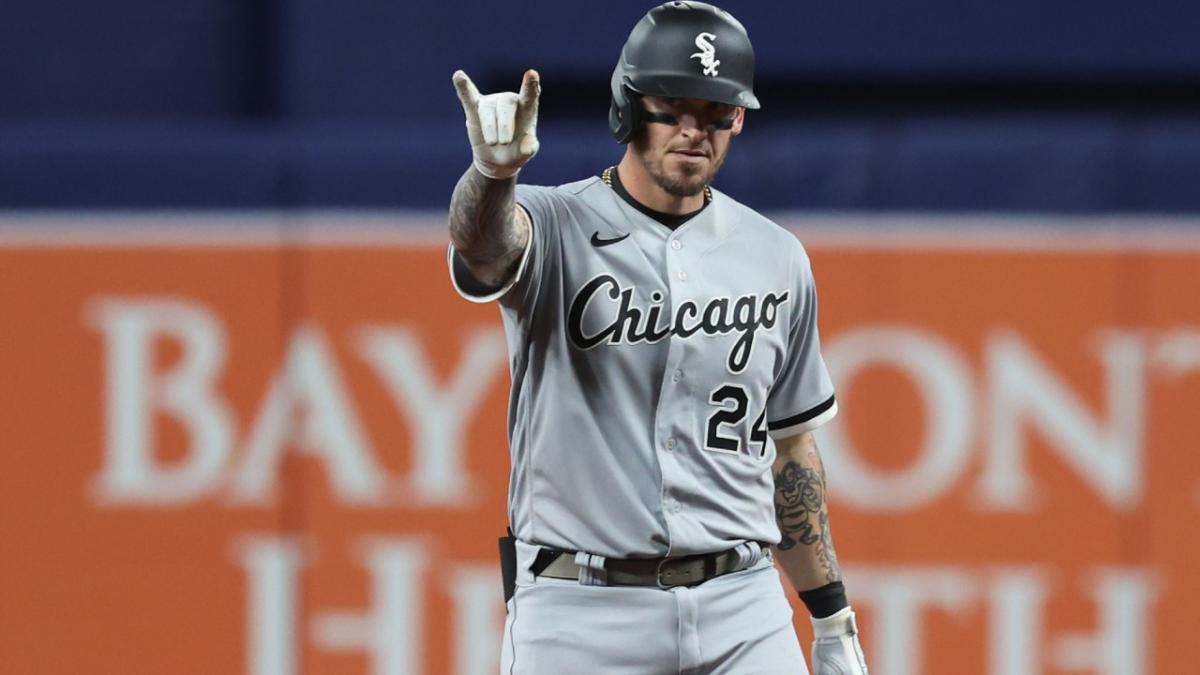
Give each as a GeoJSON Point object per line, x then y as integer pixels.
{"type": "Point", "coordinates": [624, 114]}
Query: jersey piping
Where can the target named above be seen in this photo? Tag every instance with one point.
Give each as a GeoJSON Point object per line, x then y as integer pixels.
{"type": "Point", "coordinates": [805, 421]}
{"type": "Point", "coordinates": [470, 288]}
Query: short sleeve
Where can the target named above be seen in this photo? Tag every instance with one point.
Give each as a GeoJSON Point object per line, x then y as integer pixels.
{"type": "Point", "coordinates": [519, 292]}
{"type": "Point", "coordinates": [802, 397]}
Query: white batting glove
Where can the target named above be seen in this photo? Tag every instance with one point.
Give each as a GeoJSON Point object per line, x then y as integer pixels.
{"type": "Point", "coordinates": [835, 649]}
{"type": "Point", "coordinates": [502, 127]}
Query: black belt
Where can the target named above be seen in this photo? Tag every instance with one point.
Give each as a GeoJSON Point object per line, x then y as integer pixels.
{"type": "Point", "coordinates": [691, 570]}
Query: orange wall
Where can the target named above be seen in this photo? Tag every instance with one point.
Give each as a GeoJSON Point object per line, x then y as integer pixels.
{"type": "Point", "coordinates": [229, 452]}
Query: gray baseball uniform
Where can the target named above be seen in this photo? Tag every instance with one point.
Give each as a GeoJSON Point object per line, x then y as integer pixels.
{"type": "Point", "coordinates": [651, 371]}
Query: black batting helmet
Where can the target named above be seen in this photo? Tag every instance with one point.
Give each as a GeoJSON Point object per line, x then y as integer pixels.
{"type": "Point", "coordinates": [682, 50]}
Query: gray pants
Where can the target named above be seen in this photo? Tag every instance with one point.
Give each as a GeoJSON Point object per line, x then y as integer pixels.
{"type": "Point", "coordinates": [736, 624]}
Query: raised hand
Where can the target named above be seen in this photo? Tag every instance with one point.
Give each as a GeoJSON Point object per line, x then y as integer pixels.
{"type": "Point", "coordinates": [502, 127]}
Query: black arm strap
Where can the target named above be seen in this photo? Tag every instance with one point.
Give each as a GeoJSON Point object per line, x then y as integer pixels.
{"type": "Point", "coordinates": [826, 600]}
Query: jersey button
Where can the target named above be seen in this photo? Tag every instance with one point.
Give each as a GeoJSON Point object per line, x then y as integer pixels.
{"type": "Point", "coordinates": [676, 244]}
{"type": "Point", "coordinates": [677, 376]}
{"type": "Point", "coordinates": [670, 443]}
{"type": "Point", "coordinates": [682, 275]}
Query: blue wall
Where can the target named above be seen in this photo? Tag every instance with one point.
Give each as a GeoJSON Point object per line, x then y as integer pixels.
{"type": "Point", "coordinates": [927, 104]}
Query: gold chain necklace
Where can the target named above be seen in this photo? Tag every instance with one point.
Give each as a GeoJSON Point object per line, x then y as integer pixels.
{"type": "Point", "coordinates": [607, 175]}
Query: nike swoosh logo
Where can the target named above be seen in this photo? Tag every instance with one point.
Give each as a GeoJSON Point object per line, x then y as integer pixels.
{"type": "Point", "coordinates": [598, 242]}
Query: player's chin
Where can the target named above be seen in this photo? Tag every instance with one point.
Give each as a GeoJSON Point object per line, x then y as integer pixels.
{"type": "Point", "coordinates": [688, 170]}
{"type": "Point", "coordinates": [681, 186]}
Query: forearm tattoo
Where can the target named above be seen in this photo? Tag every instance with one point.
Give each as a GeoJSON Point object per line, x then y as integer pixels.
{"type": "Point", "coordinates": [483, 224]}
{"type": "Point", "coordinates": [803, 514]}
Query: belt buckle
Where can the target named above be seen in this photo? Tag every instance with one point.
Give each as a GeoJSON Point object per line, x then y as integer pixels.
{"type": "Point", "coordinates": [659, 569]}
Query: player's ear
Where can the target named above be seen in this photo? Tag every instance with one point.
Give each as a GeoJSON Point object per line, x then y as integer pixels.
{"type": "Point", "coordinates": [739, 118]}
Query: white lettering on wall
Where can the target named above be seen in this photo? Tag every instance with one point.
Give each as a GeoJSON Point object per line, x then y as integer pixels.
{"type": "Point", "coordinates": [390, 631]}
{"type": "Point", "coordinates": [1015, 599]}
{"type": "Point", "coordinates": [134, 394]}
{"type": "Point", "coordinates": [1106, 453]}
{"type": "Point", "coordinates": [943, 379]}
{"type": "Point", "coordinates": [272, 566]}
{"type": "Point", "coordinates": [1178, 354]}
{"type": "Point", "coordinates": [897, 602]}
{"type": "Point", "coordinates": [478, 618]}
{"type": "Point", "coordinates": [898, 598]}
{"type": "Point", "coordinates": [1120, 643]}
{"type": "Point", "coordinates": [308, 407]}
{"type": "Point", "coordinates": [1016, 609]}
{"type": "Point", "coordinates": [1020, 392]}
{"type": "Point", "coordinates": [438, 415]}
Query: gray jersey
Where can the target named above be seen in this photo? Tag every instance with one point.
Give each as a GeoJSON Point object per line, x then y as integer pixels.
{"type": "Point", "coordinates": [652, 371]}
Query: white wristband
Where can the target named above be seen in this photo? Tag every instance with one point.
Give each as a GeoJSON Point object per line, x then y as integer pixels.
{"type": "Point", "coordinates": [496, 174]}
{"type": "Point", "coordinates": [835, 625]}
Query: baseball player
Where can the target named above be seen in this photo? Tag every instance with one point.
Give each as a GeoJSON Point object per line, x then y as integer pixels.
{"type": "Point", "coordinates": [666, 380]}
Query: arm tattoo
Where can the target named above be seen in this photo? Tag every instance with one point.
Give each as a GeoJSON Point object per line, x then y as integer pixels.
{"type": "Point", "coordinates": [483, 225]}
{"type": "Point", "coordinates": [803, 514]}
{"type": "Point", "coordinates": [798, 496]}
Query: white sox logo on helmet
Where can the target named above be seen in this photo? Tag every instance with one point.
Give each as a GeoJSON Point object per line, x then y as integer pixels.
{"type": "Point", "coordinates": [707, 53]}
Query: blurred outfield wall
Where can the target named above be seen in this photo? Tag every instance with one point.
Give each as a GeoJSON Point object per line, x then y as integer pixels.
{"type": "Point", "coordinates": [274, 444]}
